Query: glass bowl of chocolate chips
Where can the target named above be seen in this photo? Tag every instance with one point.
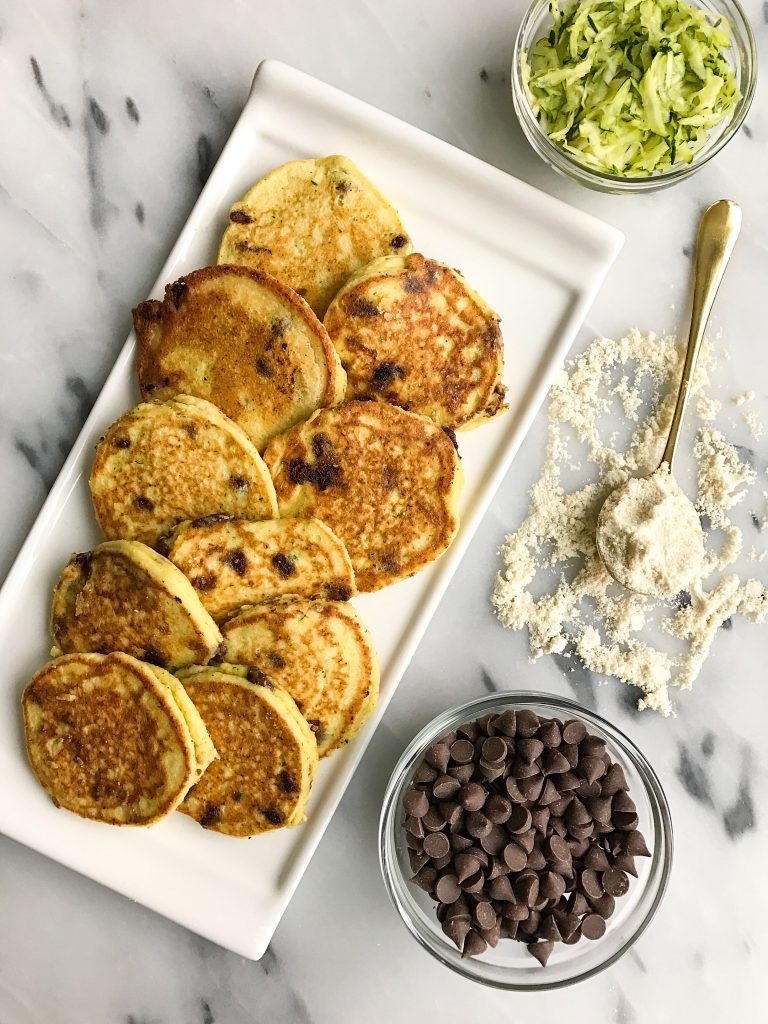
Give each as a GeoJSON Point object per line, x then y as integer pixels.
{"type": "Point", "coordinates": [525, 842]}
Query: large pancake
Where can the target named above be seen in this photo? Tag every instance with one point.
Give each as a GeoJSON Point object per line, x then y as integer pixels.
{"type": "Point", "coordinates": [320, 652]}
{"type": "Point", "coordinates": [123, 596]}
{"type": "Point", "coordinates": [312, 223]}
{"type": "Point", "coordinates": [113, 739]}
{"type": "Point", "coordinates": [411, 331]}
{"type": "Point", "coordinates": [160, 464]}
{"type": "Point", "coordinates": [386, 481]}
{"type": "Point", "coordinates": [234, 562]}
{"type": "Point", "coordinates": [267, 753]}
{"type": "Point", "coordinates": [242, 340]}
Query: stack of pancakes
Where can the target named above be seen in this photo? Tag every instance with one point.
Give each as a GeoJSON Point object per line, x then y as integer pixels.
{"type": "Point", "coordinates": [206, 653]}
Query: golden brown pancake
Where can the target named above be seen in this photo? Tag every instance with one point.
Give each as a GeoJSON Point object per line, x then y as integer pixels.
{"type": "Point", "coordinates": [311, 224]}
{"type": "Point", "coordinates": [320, 652]}
{"type": "Point", "coordinates": [386, 481]}
{"type": "Point", "coordinates": [267, 753]}
{"type": "Point", "coordinates": [242, 340]}
{"type": "Point", "coordinates": [411, 331]}
{"type": "Point", "coordinates": [123, 596]}
{"type": "Point", "coordinates": [113, 739]}
{"type": "Point", "coordinates": [234, 562]}
{"type": "Point", "coordinates": [160, 464]}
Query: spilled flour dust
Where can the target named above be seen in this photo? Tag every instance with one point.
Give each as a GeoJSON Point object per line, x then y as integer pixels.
{"type": "Point", "coordinates": [553, 581]}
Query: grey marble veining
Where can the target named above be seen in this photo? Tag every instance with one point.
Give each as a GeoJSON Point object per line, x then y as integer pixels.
{"type": "Point", "coordinates": [112, 116]}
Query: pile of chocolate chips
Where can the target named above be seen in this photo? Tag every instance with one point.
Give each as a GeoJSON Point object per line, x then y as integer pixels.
{"type": "Point", "coordinates": [521, 827]}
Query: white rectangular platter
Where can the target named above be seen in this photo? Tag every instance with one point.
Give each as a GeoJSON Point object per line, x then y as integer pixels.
{"type": "Point", "coordinates": [537, 261]}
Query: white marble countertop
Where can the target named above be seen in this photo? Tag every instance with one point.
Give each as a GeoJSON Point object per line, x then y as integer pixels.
{"type": "Point", "coordinates": [111, 117]}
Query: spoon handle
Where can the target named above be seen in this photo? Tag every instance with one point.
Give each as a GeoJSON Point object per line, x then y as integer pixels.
{"type": "Point", "coordinates": [718, 230]}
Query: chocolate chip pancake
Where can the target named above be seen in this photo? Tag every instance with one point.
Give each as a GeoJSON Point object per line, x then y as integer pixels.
{"type": "Point", "coordinates": [160, 464]}
{"type": "Point", "coordinates": [113, 739]}
{"type": "Point", "coordinates": [234, 562]}
{"type": "Point", "coordinates": [267, 753]}
{"type": "Point", "coordinates": [321, 653]}
{"type": "Point", "coordinates": [411, 331]}
{"type": "Point", "coordinates": [311, 224]}
{"type": "Point", "coordinates": [242, 340]}
{"type": "Point", "coordinates": [123, 596]}
{"type": "Point", "coordinates": [386, 481]}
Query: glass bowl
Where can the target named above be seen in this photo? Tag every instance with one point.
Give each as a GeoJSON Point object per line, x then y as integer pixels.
{"type": "Point", "coordinates": [509, 965]}
{"type": "Point", "coordinates": [743, 57]}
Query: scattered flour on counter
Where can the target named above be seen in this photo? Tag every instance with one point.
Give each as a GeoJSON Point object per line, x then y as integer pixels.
{"type": "Point", "coordinates": [553, 582]}
{"type": "Point", "coordinates": [746, 396]}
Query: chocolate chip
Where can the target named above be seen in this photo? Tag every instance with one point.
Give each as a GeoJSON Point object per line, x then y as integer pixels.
{"type": "Point", "coordinates": [527, 723]}
{"type": "Point", "coordinates": [238, 562]}
{"type": "Point", "coordinates": [258, 678]}
{"type": "Point", "coordinates": [283, 564]}
{"type": "Point", "coordinates": [590, 884]}
{"type": "Point", "coordinates": [593, 926]}
{"type": "Point", "coordinates": [204, 583]}
{"type": "Point", "coordinates": [474, 944]}
{"type": "Point", "coordinates": [574, 731]}
{"type": "Point", "coordinates": [398, 241]}
{"type": "Point", "coordinates": [477, 824]}
{"type": "Point", "coordinates": [385, 373]}
{"type": "Point", "coordinates": [144, 503]}
{"type": "Point", "coordinates": [426, 878]}
{"type": "Point", "coordinates": [462, 752]}
{"type": "Point", "coordinates": [549, 733]}
{"type": "Point", "coordinates": [239, 483]}
{"type": "Point", "coordinates": [529, 749]}
{"type": "Point", "coordinates": [635, 844]}
{"type": "Point", "coordinates": [506, 723]}
{"type": "Point", "coordinates": [437, 756]}
{"type": "Point", "coordinates": [263, 368]}
{"type": "Point", "coordinates": [498, 809]}
{"type": "Point", "coordinates": [554, 763]}
{"type": "Point", "coordinates": [436, 845]}
{"type": "Point", "coordinates": [519, 819]}
{"type": "Point", "coordinates": [614, 780]}
{"type": "Point", "coordinates": [434, 820]}
{"type": "Point", "coordinates": [447, 889]}
{"type": "Point", "coordinates": [456, 929]}
{"type": "Point", "coordinates": [415, 827]}
{"type": "Point", "coordinates": [122, 442]}
{"type": "Point", "coordinates": [416, 803]}
{"type": "Point", "coordinates": [596, 859]}
{"type": "Point", "coordinates": [362, 308]}
{"type": "Point", "coordinates": [445, 786]}
{"type": "Point", "coordinates": [622, 801]}
{"type": "Point", "coordinates": [425, 773]}
{"type": "Point", "coordinates": [239, 217]}
{"type": "Point", "coordinates": [211, 815]}
{"type": "Point", "coordinates": [286, 782]}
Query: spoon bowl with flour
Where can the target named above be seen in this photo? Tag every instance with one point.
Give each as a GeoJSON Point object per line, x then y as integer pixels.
{"type": "Point", "coordinates": [649, 536]}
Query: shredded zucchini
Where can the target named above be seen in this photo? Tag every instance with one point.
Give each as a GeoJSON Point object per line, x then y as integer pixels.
{"type": "Point", "coordinates": [631, 87]}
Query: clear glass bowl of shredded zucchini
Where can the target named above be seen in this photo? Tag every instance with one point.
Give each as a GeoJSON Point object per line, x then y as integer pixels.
{"type": "Point", "coordinates": [632, 95]}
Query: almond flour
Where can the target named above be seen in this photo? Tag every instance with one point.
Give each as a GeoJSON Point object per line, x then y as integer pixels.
{"type": "Point", "coordinates": [582, 612]}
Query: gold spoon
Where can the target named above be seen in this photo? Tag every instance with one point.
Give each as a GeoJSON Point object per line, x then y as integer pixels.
{"type": "Point", "coordinates": [718, 230]}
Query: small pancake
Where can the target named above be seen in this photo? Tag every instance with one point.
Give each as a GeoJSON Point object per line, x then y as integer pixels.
{"type": "Point", "coordinates": [160, 464]}
{"type": "Point", "coordinates": [234, 562]}
{"type": "Point", "coordinates": [123, 596]}
{"type": "Point", "coordinates": [312, 223]}
{"type": "Point", "coordinates": [321, 653]}
{"type": "Point", "coordinates": [386, 481]}
{"type": "Point", "coordinates": [242, 340]}
{"type": "Point", "coordinates": [113, 739]}
{"type": "Point", "coordinates": [412, 332]}
{"type": "Point", "coordinates": [267, 753]}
